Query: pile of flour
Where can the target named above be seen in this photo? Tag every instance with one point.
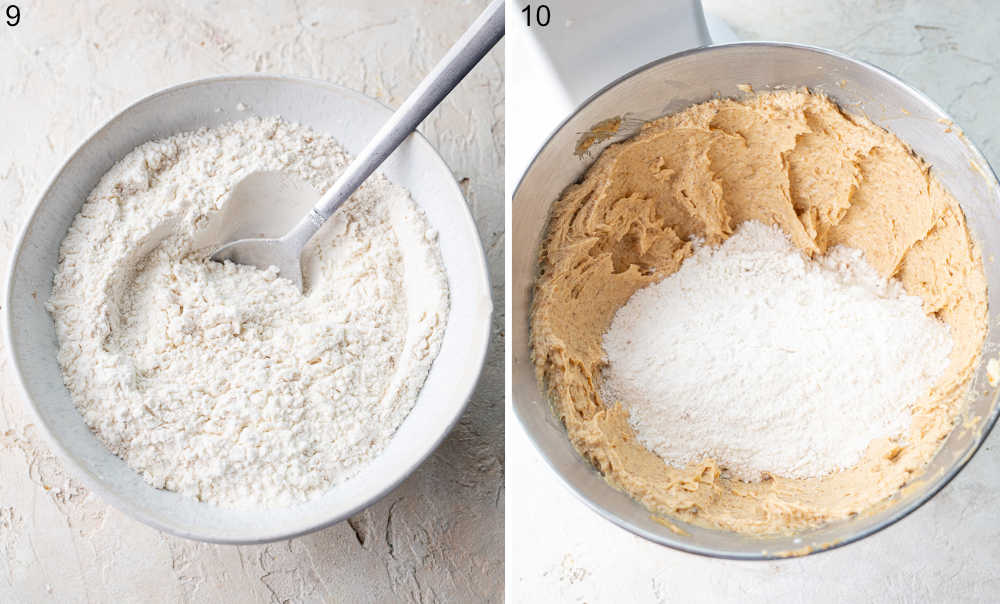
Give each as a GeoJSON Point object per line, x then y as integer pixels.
{"type": "Point", "coordinates": [768, 362]}
{"type": "Point", "coordinates": [223, 382]}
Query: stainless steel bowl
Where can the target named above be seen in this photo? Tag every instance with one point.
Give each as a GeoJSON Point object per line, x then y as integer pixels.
{"type": "Point", "coordinates": [672, 84]}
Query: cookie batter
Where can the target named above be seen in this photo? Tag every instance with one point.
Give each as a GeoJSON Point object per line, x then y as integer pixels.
{"type": "Point", "coordinates": [787, 158]}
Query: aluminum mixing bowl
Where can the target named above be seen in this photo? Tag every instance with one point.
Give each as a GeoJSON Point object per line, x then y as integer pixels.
{"type": "Point", "coordinates": [352, 119]}
{"type": "Point", "coordinates": [670, 85]}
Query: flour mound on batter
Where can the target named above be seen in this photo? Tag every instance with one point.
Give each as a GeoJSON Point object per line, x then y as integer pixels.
{"type": "Point", "coordinates": [224, 382]}
{"type": "Point", "coordinates": [788, 159]}
{"type": "Point", "coordinates": [768, 362]}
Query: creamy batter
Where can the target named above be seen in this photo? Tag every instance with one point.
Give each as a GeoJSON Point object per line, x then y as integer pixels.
{"type": "Point", "coordinates": [791, 159]}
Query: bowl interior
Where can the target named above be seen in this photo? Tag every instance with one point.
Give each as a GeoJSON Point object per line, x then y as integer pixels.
{"type": "Point", "coordinates": [675, 83]}
{"type": "Point", "coordinates": [352, 119]}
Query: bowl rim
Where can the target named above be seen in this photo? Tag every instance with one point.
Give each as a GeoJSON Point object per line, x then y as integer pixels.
{"type": "Point", "coordinates": [476, 357]}
{"type": "Point", "coordinates": [709, 552]}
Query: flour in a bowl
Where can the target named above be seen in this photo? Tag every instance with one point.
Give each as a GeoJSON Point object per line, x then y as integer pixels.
{"type": "Point", "coordinates": [770, 362]}
{"type": "Point", "coordinates": [223, 382]}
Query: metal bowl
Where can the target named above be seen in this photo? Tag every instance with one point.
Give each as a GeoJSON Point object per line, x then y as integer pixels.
{"type": "Point", "coordinates": [352, 119]}
{"type": "Point", "coordinates": [670, 85]}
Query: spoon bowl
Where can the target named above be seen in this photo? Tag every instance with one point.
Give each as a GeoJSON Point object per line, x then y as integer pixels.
{"type": "Point", "coordinates": [263, 254]}
{"type": "Point", "coordinates": [259, 210]}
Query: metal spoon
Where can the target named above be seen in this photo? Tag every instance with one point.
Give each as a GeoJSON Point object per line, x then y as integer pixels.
{"type": "Point", "coordinates": [285, 252]}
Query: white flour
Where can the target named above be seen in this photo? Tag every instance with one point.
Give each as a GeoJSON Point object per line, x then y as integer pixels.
{"type": "Point", "coordinates": [224, 382]}
{"type": "Point", "coordinates": [766, 361]}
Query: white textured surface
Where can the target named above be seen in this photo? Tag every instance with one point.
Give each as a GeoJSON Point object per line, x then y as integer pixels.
{"type": "Point", "coordinates": [70, 67]}
{"type": "Point", "coordinates": [947, 551]}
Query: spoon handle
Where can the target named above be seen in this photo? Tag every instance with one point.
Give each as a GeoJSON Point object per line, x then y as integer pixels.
{"type": "Point", "coordinates": [481, 36]}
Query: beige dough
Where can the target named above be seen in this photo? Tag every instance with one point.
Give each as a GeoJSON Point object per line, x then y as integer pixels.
{"type": "Point", "coordinates": [787, 158]}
